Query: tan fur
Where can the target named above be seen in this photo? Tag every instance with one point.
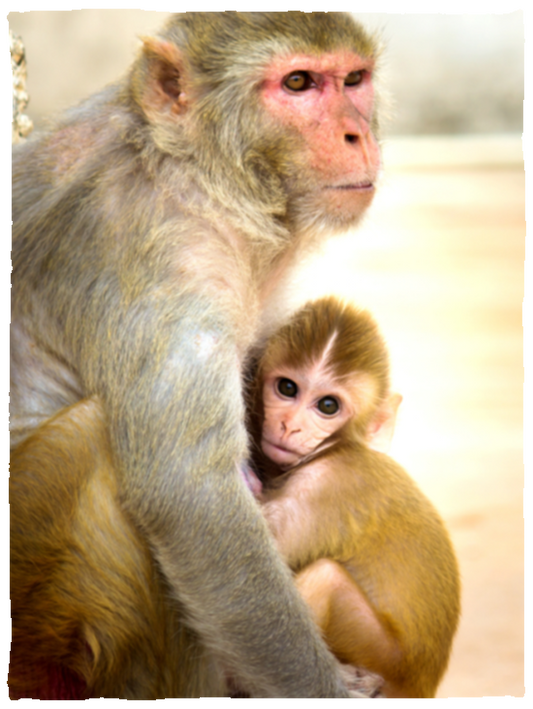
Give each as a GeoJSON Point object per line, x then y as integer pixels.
{"type": "Point", "coordinates": [371, 555]}
{"type": "Point", "coordinates": [153, 223]}
{"type": "Point", "coordinates": [87, 598]}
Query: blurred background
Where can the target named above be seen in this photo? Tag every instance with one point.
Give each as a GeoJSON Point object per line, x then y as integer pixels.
{"type": "Point", "coordinates": [445, 73]}
{"type": "Point", "coordinates": [439, 261]}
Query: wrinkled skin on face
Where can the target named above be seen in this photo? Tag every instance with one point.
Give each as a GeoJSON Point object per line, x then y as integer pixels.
{"type": "Point", "coordinates": [329, 101]}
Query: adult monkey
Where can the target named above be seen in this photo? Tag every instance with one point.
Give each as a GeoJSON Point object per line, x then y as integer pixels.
{"type": "Point", "coordinates": [152, 226]}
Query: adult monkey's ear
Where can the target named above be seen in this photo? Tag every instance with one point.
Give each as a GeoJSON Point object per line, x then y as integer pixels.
{"type": "Point", "coordinates": [381, 428]}
{"type": "Point", "coordinates": [158, 80]}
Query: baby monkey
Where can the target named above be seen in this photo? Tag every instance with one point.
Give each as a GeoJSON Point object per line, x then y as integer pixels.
{"type": "Point", "coordinates": [370, 554]}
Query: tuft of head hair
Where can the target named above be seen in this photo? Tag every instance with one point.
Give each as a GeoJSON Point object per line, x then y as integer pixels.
{"type": "Point", "coordinates": [221, 46]}
{"type": "Point", "coordinates": [346, 338]}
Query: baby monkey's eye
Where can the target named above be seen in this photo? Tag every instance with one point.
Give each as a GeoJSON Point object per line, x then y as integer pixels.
{"type": "Point", "coordinates": [328, 405]}
{"type": "Point", "coordinates": [298, 81]}
{"type": "Point", "coordinates": [287, 387]}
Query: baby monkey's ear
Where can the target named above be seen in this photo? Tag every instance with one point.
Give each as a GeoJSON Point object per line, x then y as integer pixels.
{"type": "Point", "coordinates": [381, 427]}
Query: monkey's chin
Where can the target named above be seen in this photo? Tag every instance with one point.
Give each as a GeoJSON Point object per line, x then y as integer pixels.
{"type": "Point", "coordinates": [340, 207]}
{"type": "Point", "coordinates": [283, 457]}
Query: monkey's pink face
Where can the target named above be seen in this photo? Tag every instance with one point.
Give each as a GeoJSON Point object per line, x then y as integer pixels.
{"type": "Point", "coordinates": [301, 410]}
{"type": "Point", "coordinates": [329, 101]}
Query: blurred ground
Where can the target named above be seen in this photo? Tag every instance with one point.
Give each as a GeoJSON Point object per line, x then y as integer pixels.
{"type": "Point", "coordinates": [440, 263]}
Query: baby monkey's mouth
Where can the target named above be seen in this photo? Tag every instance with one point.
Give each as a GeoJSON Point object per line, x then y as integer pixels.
{"type": "Point", "coordinates": [279, 447]}
{"type": "Point", "coordinates": [281, 455]}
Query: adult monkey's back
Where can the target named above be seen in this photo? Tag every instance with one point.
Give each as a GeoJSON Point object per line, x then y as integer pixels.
{"type": "Point", "coordinates": [152, 225]}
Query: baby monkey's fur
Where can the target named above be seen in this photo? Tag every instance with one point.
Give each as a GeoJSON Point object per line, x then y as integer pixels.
{"type": "Point", "coordinates": [371, 555]}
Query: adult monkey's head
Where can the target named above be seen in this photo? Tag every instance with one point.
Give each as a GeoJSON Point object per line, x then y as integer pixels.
{"type": "Point", "coordinates": [275, 110]}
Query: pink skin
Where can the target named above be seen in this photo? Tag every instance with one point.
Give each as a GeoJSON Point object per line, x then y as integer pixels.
{"type": "Point", "coordinates": [251, 480]}
{"type": "Point", "coordinates": [334, 120]}
{"type": "Point", "coordinates": [294, 426]}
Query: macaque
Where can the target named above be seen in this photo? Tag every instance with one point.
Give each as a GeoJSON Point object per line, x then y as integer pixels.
{"type": "Point", "coordinates": [370, 554]}
{"type": "Point", "coordinates": [154, 227]}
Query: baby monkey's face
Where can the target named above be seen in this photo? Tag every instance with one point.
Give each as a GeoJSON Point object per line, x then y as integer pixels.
{"type": "Point", "coordinates": [302, 408]}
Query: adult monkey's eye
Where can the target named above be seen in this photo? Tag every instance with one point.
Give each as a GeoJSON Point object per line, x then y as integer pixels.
{"type": "Point", "coordinates": [328, 405]}
{"type": "Point", "coordinates": [287, 387]}
{"type": "Point", "coordinates": [298, 81]}
{"type": "Point", "coordinates": [353, 78]}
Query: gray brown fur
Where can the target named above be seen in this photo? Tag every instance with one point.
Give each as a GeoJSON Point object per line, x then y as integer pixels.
{"type": "Point", "coordinates": [149, 222]}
